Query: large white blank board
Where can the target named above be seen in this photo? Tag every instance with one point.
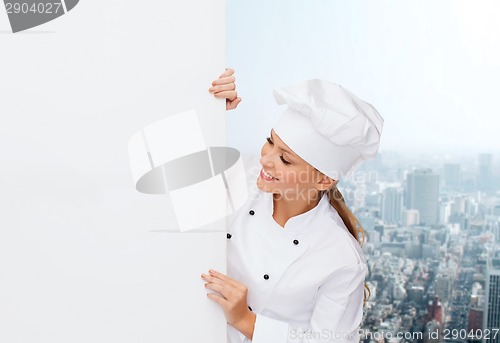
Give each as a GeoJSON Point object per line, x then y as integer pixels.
{"type": "Point", "coordinates": [84, 257]}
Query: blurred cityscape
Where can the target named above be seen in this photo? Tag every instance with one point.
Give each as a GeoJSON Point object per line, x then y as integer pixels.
{"type": "Point", "coordinates": [433, 252]}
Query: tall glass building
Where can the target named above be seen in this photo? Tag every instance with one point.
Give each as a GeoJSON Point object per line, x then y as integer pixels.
{"type": "Point", "coordinates": [492, 305]}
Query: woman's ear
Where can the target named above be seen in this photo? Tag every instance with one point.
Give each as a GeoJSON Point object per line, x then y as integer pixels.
{"type": "Point", "coordinates": [326, 183]}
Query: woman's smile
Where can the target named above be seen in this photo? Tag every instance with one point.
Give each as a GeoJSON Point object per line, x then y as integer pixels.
{"type": "Point", "coordinates": [266, 176]}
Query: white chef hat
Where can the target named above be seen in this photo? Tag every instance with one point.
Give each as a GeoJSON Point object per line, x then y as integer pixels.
{"type": "Point", "coordinates": [328, 126]}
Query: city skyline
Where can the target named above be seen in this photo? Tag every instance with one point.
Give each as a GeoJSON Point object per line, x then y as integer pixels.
{"type": "Point", "coordinates": [433, 233]}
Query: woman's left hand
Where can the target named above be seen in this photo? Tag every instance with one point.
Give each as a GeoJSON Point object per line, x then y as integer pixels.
{"type": "Point", "coordinates": [232, 297]}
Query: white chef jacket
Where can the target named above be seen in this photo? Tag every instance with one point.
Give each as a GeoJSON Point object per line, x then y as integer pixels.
{"type": "Point", "coordinates": [305, 281]}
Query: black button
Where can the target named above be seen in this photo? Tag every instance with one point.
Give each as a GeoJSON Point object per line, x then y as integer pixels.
{"type": "Point", "coordinates": [252, 212]}
{"type": "Point", "coordinates": [229, 236]}
{"type": "Point", "coordinates": [295, 242]}
{"type": "Point", "coordinates": [249, 308]}
{"type": "Point", "coordinates": [266, 276]}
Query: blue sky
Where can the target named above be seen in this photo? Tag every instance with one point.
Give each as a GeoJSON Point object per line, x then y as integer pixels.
{"type": "Point", "coordinates": [431, 68]}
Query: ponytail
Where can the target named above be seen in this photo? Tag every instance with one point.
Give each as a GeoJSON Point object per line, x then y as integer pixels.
{"type": "Point", "coordinates": [351, 222]}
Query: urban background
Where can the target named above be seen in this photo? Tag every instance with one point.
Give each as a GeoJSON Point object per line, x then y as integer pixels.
{"type": "Point", "coordinates": [433, 233]}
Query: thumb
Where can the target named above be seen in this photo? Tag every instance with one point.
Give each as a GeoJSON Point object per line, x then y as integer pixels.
{"type": "Point", "coordinates": [232, 104]}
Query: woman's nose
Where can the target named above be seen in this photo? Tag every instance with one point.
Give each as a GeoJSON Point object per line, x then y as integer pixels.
{"type": "Point", "coordinates": [266, 161]}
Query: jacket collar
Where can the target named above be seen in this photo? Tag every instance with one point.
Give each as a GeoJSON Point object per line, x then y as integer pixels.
{"type": "Point", "coordinates": [301, 223]}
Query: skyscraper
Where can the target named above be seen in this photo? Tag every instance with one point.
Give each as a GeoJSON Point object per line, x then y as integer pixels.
{"type": "Point", "coordinates": [392, 205]}
{"type": "Point", "coordinates": [443, 287]}
{"type": "Point", "coordinates": [491, 318]}
{"type": "Point", "coordinates": [485, 173]}
{"type": "Point", "coordinates": [423, 194]}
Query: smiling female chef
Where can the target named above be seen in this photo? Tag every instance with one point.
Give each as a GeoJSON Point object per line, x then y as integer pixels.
{"type": "Point", "coordinates": [295, 266]}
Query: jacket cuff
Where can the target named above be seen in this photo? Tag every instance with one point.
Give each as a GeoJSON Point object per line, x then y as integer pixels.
{"type": "Point", "coordinates": [269, 330]}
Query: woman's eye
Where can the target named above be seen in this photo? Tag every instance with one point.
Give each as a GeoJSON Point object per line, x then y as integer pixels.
{"type": "Point", "coordinates": [283, 160]}
{"type": "Point", "coordinates": [281, 156]}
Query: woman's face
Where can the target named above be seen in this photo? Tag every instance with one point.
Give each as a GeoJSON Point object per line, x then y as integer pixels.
{"type": "Point", "coordinates": [284, 172]}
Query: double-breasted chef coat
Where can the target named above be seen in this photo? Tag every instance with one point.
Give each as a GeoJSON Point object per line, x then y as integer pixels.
{"type": "Point", "coordinates": [305, 280]}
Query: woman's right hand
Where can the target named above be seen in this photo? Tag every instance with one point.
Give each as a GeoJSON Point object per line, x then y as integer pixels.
{"type": "Point", "coordinates": [224, 87]}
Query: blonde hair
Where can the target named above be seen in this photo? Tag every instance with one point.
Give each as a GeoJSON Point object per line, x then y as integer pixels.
{"type": "Point", "coordinates": [351, 222]}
